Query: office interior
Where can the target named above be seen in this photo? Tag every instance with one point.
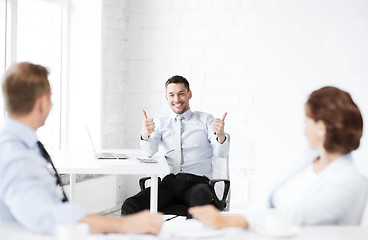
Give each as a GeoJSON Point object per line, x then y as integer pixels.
{"type": "Point", "coordinates": [257, 60]}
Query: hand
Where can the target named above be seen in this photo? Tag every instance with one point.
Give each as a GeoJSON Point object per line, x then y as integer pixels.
{"type": "Point", "coordinates": [142, 222]}
{"type": "Point", "coordinates": [218, 128]}
{"type": "Point", "coordinates": [148, 126]}
{"type": "Point", "coordinates": [209, 215]}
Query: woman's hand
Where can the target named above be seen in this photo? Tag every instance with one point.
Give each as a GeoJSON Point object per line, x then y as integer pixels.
{"type": "Point", "coordinates": [211, 217]}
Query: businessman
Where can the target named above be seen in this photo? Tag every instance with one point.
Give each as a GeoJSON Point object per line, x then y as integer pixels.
{"type": "Point", "coordinates": [27, 188]}
{"type": "Point", "coordinates": [188, 140]}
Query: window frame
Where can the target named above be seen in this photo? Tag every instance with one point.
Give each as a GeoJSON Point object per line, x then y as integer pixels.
{"type": "Point", "coordinates": [11, 40]}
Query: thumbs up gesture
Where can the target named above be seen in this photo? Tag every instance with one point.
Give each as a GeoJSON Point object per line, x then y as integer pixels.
{"type": "Point", "coordinates": [148, 126]}
{"type": "Point", "coordinates": [218, 128]}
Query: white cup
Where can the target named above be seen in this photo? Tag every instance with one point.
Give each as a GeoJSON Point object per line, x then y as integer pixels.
{"type": "Point", "coordinates": [276, 222]}
{"type": "Point", "coordinates": [73, 231]}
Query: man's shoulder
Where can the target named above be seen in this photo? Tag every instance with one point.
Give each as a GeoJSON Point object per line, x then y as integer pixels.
{"type": "Point", "coordinates": [162, 120]}
{"type": "Point", "coordinates": [347, 172]}
{"type": "Point", "coordinates": [202, 115]}
{"type": "Point", "coordinates": [10, 147]}
{"type": "Point", "coordinates": [7, 138]}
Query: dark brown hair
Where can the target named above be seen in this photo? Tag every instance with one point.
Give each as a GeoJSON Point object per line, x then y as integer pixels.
{"type": "Point", "coordinates": [178, 79]}
{"type": "Point", "coordinates": [22, 85]}
{"type": "Point", "coordinates": [341, 115]}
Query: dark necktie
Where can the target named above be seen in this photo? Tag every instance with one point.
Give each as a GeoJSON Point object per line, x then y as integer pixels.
{"type": "Point", "coordinates": [47, 157]}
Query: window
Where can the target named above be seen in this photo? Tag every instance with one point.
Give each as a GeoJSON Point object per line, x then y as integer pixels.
{"type": "Point", "coordinates": [2, 51]}
{"type": "Point", "coordinates": [40, 36]}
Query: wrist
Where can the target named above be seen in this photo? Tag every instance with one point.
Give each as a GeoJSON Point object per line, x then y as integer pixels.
{"type": "Point", "coordinates": [237, 221]}
{"type": "Point", "coordinates": [144, 137]}
{"type": "Point", "coordinates": [221, 138]}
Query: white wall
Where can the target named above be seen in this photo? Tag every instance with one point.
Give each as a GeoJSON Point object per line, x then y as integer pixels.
{"type": "Point", "coordinates": [114, 78]}
{"type": "Point", "coordinates": [257, 60]}
{"type": "Point", "coordinates": [85, 67]}
{"type": "Point", "coordinates": [205, 42]}
{"type": "Point", "coordinates": [299, 47]}
{"type": "Point", "coordinates": [115, 37]}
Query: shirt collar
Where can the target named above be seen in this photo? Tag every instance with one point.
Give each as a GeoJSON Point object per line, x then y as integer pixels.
{"type": "Point", "coordinates": [188, 114]}
{"type": "Point", "coordinates": [25, 133]}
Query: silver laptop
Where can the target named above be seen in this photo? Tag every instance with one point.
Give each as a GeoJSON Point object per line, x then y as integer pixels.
{"type": "Point", "coordinates": [105, 155]}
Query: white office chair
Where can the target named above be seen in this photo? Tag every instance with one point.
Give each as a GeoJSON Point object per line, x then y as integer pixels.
{"type": "Point", "coordinates": [356, 215]}
{"type": "Point", "coordinates": [220, 186]}
{"type": "Point", "coordinates": [364, 219]}
{"type": "Point", "coordinates": [221, 182]}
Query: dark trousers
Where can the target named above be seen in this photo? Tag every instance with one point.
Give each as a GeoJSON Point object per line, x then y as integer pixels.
{"type": "Point", "coordinates": [186, 189]}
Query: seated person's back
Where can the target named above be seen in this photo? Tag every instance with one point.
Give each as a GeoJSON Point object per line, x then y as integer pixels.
{"type": "Point", "coordinates": [328, 187]}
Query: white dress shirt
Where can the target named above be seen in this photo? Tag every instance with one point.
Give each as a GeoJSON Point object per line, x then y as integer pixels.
{"type": "Point", "coordinates": [329, 197]}
{"type": "Point", "coordinates": [28, 192]}
{"type": "Point", "coordinates": [290, 192]}
{"type": "Point", "coordinates": [198, 142]}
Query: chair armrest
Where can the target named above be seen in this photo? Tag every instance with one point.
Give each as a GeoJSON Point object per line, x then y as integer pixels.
{"type": "Point", "coordinates": [142, 182]}
{"type": "Point", "coordinates": [220, 204]}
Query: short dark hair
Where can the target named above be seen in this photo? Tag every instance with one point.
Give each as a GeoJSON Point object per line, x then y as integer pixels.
{"type": "Point", "coordinates": [178, 79]}
{"type": "Point", "coordinates": [22, 85]}
{"type": "Point", "coordinates": [341, 115]}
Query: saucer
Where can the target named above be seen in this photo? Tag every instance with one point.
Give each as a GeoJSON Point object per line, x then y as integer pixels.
{"type": "Point", "coordinates": [282, 233]}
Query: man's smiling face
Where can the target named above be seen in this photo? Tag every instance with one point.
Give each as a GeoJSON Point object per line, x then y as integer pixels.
{"type": "Point", "coordinates": [178, 97]}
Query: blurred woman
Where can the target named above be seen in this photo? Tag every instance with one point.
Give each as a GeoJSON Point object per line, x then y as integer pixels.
{"type": "Point", "coordinates": [324, 191]}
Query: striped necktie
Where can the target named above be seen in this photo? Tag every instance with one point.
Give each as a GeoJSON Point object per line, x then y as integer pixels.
{"type": "Point", "coordinates": [177, 160]}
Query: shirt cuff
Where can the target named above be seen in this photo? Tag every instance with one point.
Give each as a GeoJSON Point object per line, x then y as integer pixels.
{"type": "Point", "coordinates": [216, 139]}
{"type": "Point", "coordinates": [143, 139]}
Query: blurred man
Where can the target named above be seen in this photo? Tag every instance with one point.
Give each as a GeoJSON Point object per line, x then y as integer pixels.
{"type": "Point", "coordinates": [27, 189]}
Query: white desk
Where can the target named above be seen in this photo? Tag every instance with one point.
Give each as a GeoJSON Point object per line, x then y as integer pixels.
{"type": "Point", "coordinates": [73, 164]}
{"type": "Point", "coordinates": [193, 229]}
{"type": "Point", "coordinates": [314, 233]}
{"type": "Point", "coordinates": [307, 233]}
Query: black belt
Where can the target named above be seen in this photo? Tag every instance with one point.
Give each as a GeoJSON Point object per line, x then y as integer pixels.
{"type": "Point", "coordinates": [188, 177]}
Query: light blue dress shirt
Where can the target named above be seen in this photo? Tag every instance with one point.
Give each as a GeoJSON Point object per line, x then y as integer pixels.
{"type": "Point", "coordinates": [198, 141]}
{"type": "Point", "coordinates": [28, 194]}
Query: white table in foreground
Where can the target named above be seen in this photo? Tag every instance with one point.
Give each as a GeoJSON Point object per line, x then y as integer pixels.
{"type": "Point", "coordinates": [71, 163]}
{"type": "Point", "coordinates": [180, 228]}
{"type": "Point", "coordinates": [312, 233]}
{"type": "Point", "coordinates": [10, 232]}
